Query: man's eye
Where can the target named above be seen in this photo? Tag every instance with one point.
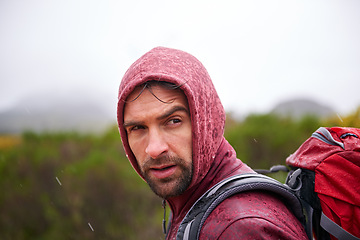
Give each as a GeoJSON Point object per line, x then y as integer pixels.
{"type": "Point", "coordinates": [174, 121]}
{"type": "Point", "coordinates": [135, 128]}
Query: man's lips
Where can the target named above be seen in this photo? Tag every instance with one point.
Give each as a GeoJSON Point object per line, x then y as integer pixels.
{"type": "Point", "coordinates": [162, 171]}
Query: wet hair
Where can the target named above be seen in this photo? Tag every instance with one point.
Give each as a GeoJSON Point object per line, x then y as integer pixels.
{"type": "Point", "coordinates": [149, 84]}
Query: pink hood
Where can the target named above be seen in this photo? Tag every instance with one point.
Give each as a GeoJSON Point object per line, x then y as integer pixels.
{"type": "Point", "coordinates": [213, 156]}
{"type": "Point", "coordinates": [206, 111]}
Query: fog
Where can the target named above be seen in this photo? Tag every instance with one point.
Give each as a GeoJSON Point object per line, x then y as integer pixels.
{"type": "Point", "coordinates": [258, 53]}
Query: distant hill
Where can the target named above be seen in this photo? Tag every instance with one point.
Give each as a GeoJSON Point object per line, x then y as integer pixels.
{"type": "Point", "coordinates": [86, 112]}
{"type": "Point", "coordinates": [297, 108]}
{"type": "Point", "coordinates": [75, 112]}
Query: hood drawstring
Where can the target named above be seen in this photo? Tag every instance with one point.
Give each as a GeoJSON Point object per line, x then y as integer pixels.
{"type": "Point", "coordinates": [164, 219]}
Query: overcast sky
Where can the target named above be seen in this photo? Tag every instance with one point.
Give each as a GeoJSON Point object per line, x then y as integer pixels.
{"type": "Point", "coordinates": [257, 52]}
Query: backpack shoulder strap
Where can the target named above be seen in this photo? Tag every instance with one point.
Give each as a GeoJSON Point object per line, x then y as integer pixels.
{"type": "Point", "coordinates": [192, 223]}
{"type": "Point", "coordinates": [335, 230]}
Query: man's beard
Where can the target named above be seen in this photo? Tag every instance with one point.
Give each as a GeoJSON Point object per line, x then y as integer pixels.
{"type": "Point", "coordinates": [172, 186]}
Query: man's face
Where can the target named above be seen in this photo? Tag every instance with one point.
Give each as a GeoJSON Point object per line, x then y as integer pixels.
{"type": "Point", "coordinates": [159, 135]}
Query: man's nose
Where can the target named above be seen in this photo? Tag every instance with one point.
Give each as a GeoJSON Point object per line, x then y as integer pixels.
{"type": "Point", "coordinates": [156, 144]}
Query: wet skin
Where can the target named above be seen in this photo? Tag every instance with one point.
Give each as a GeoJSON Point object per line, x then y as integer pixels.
{"type": "Point", "coordinates": [160, 137]}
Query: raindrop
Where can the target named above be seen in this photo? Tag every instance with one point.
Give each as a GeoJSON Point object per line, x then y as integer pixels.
{"type": "Point", "coordinates": [58, 181]}
{"type": "Point", "coordinates": [339, 117]}
{"type": "Point", "coordinates": [90, 227]}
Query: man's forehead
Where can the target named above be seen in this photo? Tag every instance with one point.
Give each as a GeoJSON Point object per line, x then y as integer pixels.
{"type": "Point", "coordinates": [154, 101]}
{"type": "Point", "coordinates": [156, 88]}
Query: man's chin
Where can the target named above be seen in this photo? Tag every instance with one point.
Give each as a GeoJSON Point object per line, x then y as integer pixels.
{"type": "Point", "coordinates": [169, 187]}
{"type": "Point", "coordinates": [166, 189]}
{"type": "Point", "coordinates": [172, 185]}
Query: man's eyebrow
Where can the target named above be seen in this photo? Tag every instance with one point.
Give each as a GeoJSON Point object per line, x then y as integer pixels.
{"type": "Point", "coordinates": [131, 123]}
{"type": "Point", "coordinates": [172, 111]}
{"type": "Point", "coordinates": [163, 116]}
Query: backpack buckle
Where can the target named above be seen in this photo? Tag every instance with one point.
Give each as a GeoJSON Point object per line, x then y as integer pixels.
{"type": "Point", "coordinates": [293, 180]}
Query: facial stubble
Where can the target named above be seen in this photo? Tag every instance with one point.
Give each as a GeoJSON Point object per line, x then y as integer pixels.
{"type": "Point", "coordinates": [171, 186]}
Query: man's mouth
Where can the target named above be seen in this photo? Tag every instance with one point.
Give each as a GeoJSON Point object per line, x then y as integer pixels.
{"type": "Point", "coordinates": [163, 171]}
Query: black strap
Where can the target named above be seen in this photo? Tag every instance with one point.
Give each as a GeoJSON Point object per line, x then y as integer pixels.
{"type": "Point", "coordinates": [273, 169]}
{"type": "Point", "coordinates": [195, 218]}
{"type": "Point", "coordinates": [335, 230]}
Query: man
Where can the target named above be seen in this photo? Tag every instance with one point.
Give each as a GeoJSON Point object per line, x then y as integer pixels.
{"type": "Point", "coordinates": [171, 122]}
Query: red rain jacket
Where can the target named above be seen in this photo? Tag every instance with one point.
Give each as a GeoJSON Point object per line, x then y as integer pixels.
{"type": "Point", "coordinates": [252, 215]}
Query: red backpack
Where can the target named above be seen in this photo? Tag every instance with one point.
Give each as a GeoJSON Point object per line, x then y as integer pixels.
{"type": "Point", "coordinates": [322, 189]}
{"type": "Point", "coordinates": [326, 174]}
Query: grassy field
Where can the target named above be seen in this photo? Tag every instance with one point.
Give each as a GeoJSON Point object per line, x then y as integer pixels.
{"type": "Point", "coordinates": [81, 186]}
